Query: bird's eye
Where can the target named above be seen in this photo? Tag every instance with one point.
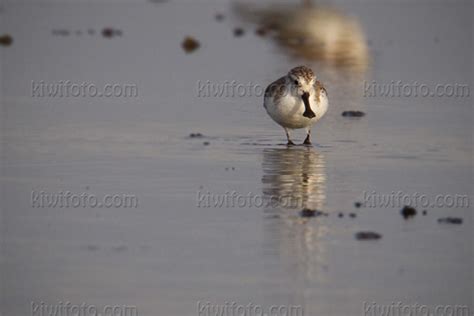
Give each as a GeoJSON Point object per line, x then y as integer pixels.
{"type": "Point", "coordinates": [296, 82]}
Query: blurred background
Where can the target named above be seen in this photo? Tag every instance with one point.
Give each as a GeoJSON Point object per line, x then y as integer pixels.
{"type": "Point", "coordinates": [160, 117]}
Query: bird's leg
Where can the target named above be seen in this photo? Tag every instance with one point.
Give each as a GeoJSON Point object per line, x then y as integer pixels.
{"type": "Point", "coordinates": [290, 143]}
{"type": "Point", "coordinates": [307, 140]}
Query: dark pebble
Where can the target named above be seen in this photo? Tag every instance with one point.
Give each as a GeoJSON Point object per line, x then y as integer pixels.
{"type": "Point", "coordinates": [341, 215]}
{"type": "Point", "coordinates": [108, 32]}
{"type": "Point", "coordinates": [306, 212]}
{"type": "Point", "coordinates": [190, 44]}
{"type": "Point", "coordinates": [261, 31]}
{"type": "Point", "coordinates": [219, 17]}
{"type": "Point", "coordinates": [195, 135]}
{"type": "Point", "coordinates": [450, 220]}
{"type": "Point", "coordinates": [352, 215]}
{"type": "Point", "coordinates": [92, 247]}
{"type": "Point", "coordinates": [424, 212]}
{"type": "Point", "coordinates": [206, 143]}
{"type": "Point", "coordinates": [60, 32]}
{"type": "Point", "coordinates": [238, 32]}
{"type": "Point", "coordinates": [353, 113]}
{"type": "Point", "coordinates": [6, 40]}
{"type": "Point", "coordinates": [408, 211]}
{"type": "Point", "coordinates": [367, 236]}
{"type": "Point", "coordinates": [357, 204]}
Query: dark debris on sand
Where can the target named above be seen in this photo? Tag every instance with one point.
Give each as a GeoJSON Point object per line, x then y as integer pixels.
{"type": "Point", "coordinates": [353, 114]}
{"type": "Point", "coordinates": [6, 40]}
{"type": "Point", "coordinates": [109, 32]}
{"type": "Point", "coordinates": [450, 220]}
{"type": "Point", "coordinates": [261, 31]}
{"type": "Point", "coordinates": [306, 212]}
{"type": "Point", "coordinates": [238, 32]}
{"type": "Point", "coordinates": [358, 204]}
{"type": "Point", "coordinates": [219, 17]}
{"type": "Point", "coordinates": [367, 235]}
{"type": "Point", "coordinates": [195, 135]}
{"type": "Point", "coordinates": [190, 44]}
{"type": "Point", "coordinates": [408, 211]}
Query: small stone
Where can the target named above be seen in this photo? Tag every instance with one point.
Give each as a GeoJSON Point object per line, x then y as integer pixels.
{"type": "Point", "coordinates": [408, 211]}
{"type": "Point", "coordinates": [108, 32]}
{"type": "Point", "coordinates": [6, 40]}
{"type": "Point", "coordinates": [238, 32]}
{"type": "Point", "coordinates": [190, 44]}
{"type": "Point", "coordinates": [352, 215]}
{"type": "Point", "coordinates": [424, 212]}
{"type": "Point", "coordinates": [340, 215]}
{"type": "Point", "coordinates": [206, 143]}
{"type": "Point", "coordinates": [450, 220]}
{"type": "Point", "coordinates": [353, 114]}
{"type": "Point", "coordinates": [219, 17]}
{"type": "Point", "coordinates": [195, 135]}
{"type": "Point", "coordinates": [92, 247]}
{"type": "Point", "coordinates": [357, 204]}
{"type": "Point", "coordinates": [306, 212]}
{"type": "Point", "coordinates": [367, 235]}
{"type": "Point", "coordinates": [261, 31]}
{"type": "Point", "coordinates": [60, 32]}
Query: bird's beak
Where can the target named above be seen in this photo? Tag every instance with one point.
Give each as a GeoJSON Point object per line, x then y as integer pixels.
{"type": "Point", "coordinates": [308, 112]}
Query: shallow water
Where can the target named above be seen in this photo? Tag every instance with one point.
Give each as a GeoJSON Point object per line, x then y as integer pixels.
{"type": "Point", "coordinates": [172, 252]}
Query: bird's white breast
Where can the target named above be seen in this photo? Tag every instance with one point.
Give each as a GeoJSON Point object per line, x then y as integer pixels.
{"type": "Point", "coordinates": [288, 110]}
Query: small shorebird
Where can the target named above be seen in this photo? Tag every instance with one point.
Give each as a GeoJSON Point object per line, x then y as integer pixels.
{"type": "Point", "coordinates": [296, 100]}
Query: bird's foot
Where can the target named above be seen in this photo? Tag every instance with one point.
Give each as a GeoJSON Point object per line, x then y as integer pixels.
{"type": "Point", "coordinates": [290, 143]}
{"type": "Point", "coordinates": [307, 141]}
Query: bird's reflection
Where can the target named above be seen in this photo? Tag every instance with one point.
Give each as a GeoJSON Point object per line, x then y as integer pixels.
{"type": "Point", "coordinates": [295, 176]}
{"type": "Point", "coordinates": [300, 174]}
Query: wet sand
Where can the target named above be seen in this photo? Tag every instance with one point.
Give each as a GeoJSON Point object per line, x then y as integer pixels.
{"type": "Point", "coordinates": [170, 252]}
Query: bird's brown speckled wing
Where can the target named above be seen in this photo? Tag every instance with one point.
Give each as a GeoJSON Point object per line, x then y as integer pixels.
{"type": "Point", "coordinates": [276, 89]}
{"type": "Point", "coordinates": [318, 87]}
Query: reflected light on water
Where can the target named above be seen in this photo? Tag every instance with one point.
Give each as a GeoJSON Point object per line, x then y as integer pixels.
{"type": "Point", "coordinates": [312, 32]}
